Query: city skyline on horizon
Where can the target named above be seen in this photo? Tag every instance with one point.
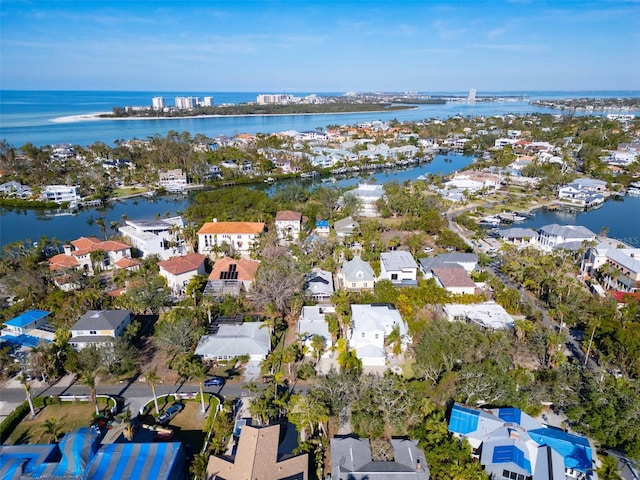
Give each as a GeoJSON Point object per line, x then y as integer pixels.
{"type": "Point", "coordinates": [313, 46]}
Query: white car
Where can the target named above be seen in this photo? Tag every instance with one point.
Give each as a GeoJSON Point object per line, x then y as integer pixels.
{"type": "Point", "coordinates": [427, 249]}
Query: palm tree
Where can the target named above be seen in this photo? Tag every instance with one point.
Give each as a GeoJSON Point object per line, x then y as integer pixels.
{"type": "Point", "coordinates": [199, 465]}
{"type": "Point", "coordinates": [100, 221]}
{"type": "Point", "coordinates": [152, 378]}
{"type": "Point", "coordinates": [319, 346]}
{"type": "Point", "coordinates": [89, 378]}
{"type": "Point", "coordinates": [52, 427]}
{"type": "Point", "coordinates": [27, 389]}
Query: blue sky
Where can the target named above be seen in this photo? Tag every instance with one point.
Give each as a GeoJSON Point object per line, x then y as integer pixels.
{"type": "Point", "coordinates": [329, 46]}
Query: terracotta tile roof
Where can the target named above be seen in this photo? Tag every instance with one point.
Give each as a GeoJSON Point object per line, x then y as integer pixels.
{"type": "Point", "coordinates": [246, 268]}
{"type": "Point", "coordinates": [85, 245]}
{"type": "Point", "coordinates": [453, 277]}
{"type": "Point", "coordinates": [288, 216]}
{"type": "Point", "coordinates": [62, 261]}
{"type": "Point", "coordinates": [179, 265]}
{"type": "Point", "coordinates": [127, 263]}
{"type": "Point", "coordinates": [218, 228]}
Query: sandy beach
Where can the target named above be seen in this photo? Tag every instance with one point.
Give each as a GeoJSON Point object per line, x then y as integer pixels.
{"type": "Point", "coordinates": [91, 117]}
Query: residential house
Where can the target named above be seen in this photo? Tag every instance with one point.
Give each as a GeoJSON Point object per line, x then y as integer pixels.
{"type": "Point", "coordinates": [345, 227]}
{"type": "Point", "coordinates": [288, 224]}
{"type": "Point", "coordinates": [231, 277]}
{"type": "Point", "coordinates": [454, 279]}
{"type": "Point", "coordinates": [520, 237]}
{"type": "Point", "coordinates": [322, 228]}
{"type": "Point", "coordinates": [312, 322]}
{"type": "Point", "coordinates": [15, 189]}
{"type": "Point", "coordinates": [399, 267]}
{"type": "Point", "coordinates": [569, 237]}
{"type": "Point", "coordinates": [155, 237]}
{"type": "Point", "coordinates": [238, 237]}
{"type": "Point", "coordinates": [619, 265]}
{"type": "Point", "coordinates": [28, 328]}
{"type": "Point", "coordinates": [512, 445]}
{"type": "Point", "coordinates": [468, 261]}
{"type": "Point", "coordinates": [99, 327]}
{"type": "Point", "coordinates": [258, 457]}
{"type": "Point", "coordinates": [351, 459]}
{"type": "Point", "coordinates": [356, 275]}
{"type": "Point", "coordinates": [60, 193]}
{"type": "Point", "coordinates": [319, 285]}
{"type": "Point", "coordinates": [178, 271]}
{"type": "Point", "coordinates": [231, 338]}
{"type": "Point", "coordinates": [370, 326]}
{"type": "Point", "coordinates": [486, 315]}
{"type": "Point", "coordinates": [80, 454]}
{"type": "Point", "coordinates": [173, 180]}
{"type": "Point", "coordinates": [368, 194]}
{"type": "Point", "coordinates": [78, 256]}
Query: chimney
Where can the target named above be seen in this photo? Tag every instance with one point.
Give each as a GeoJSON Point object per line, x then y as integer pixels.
{"type": "Point", "coordinates": [418, 466]}
{"type": "Point", "coordinates": [67, 250]}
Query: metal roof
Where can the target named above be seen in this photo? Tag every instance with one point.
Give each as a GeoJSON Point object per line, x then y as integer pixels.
{"type": "Point", "coordinates": [27, 318]}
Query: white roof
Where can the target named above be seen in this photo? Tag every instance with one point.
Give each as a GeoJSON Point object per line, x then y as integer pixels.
{"type": "Point", "coordinates": [488, 314]}
{"type": "Point", "coordinates": [377, 317]}
{"type": "Point", "coordinates": [249, 338]}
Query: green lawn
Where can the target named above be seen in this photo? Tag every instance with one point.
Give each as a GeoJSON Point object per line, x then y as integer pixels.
{"type": "Point", "coordinates": [70, 416]}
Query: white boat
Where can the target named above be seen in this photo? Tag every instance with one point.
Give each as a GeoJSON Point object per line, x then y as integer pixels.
{"type": "Point", "coordinates": [269, 180]}
{"type": "Point", "coordinates": [633, 192]}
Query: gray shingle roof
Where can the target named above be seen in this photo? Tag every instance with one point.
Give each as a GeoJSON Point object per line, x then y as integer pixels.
{"type": "Point", "coordinates": [353, 268]}
{"type": "Point", "coordinates": [567, 231]}
{"type": "Point", "coordinates": [101, 320]}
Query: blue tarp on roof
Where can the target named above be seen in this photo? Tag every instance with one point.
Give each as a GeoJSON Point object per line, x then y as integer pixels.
{"type": "Point", "coordinates": [24, 340]}
{"type": "Point", "coordinates": [510, 414]}
{"type": "Point", "coordinates": [157, 461]}
{"type": "Point", "coordinates": [17, 461]}
{"type": "Point", "coordinates": [77, 449]}
{"type": "Point", "coordinates": [27, 318]}
{"type": "Point", "coordinates": [574, 449]}
{"type": "Point", "coordinates": [463, 420]}
{"type": "Point", "coordinates": [511, 453]}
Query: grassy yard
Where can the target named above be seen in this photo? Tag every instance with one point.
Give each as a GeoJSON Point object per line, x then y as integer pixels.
{"type": "Point", "coordinates": [70, 416]}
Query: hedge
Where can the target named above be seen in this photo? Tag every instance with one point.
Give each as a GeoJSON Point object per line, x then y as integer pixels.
{"type": "Point", "coordinates": [9, 424]}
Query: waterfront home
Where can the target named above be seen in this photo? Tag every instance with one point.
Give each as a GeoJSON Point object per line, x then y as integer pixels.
{"type": "Point", "coordinates": [231, 277]}
{"type": "Point", "coordinates": [520, 237]}
{"type": "Point", "coordinates": [232, 337]}
{"type": "Point", "coordinates": [319, 285]}
{"type": "Point", "coordinates": [15, 189]}
{"type": "Point", "coordinates": [259, 455]}
{"type": "Point", "coordinates": [370, 326]}
{"type": "Point", "coordinates": [322, 228]}
{"type": "Point", "coordinates": [311, 323]}
{"type": "Point", "coordinates": [570, 237]}
{"type": "Point", "coordinates": [512, 445]}
{"type": "Point", "coordinates": [99, 327]}
{"type": "Point", "coordinates": [178, 271]}
{"type": "Point", "coordinates": [78, 256]}
{"type": "Point", "coordinates": [288, 224]}
{"type": "Point", "coordinates": [352, 458]}
{"type": "Point", "coordinates": [173, 180]}
{"type": "Point", "coordinates": [356, 275]}
{"type": "Point", "coordinates": [487, 315]}
{"type": "Point", "coordinates": [237, 237]}
{"type": "Point", "coordinates": [60, 193]}
{"type": "Point", "coordinates": [155, 237]}
{"type": "Point", "coordinates": [399, 267]}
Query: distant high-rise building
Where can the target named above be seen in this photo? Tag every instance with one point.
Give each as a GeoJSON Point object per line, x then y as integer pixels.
{"type": "Point", "coordinates": [278, 98]}
{"type": "Point", "coordinates": [207, 102]}
{"type": "Point", "coordinates": [472, 95]}
{"type": "Point", "coordinates": [186, 103]}
{"type": "Point", "coordinates": [157, 103]}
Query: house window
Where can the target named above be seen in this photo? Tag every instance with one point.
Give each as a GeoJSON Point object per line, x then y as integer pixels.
{"type": "Point", "coordinates": [394, 276]}
{"type": "Point", "coordinates": [377, 336]}
{"type": "Point", "coordinates": [362, 334]}
{"type": "Point", "coordinates": [92, 332]}
{"type": "Point", "coordinates": [353, 285]}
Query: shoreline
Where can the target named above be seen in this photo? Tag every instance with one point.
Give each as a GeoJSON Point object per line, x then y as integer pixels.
{"type": "Point", "coordinates": [93, 117]}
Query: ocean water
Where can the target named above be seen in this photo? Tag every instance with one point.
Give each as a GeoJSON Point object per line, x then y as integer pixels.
{"type": "Point", "coordinates": [29, 116]}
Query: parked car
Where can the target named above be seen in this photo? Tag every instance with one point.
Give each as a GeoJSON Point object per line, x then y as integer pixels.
{"type": "Point", "coordinates": [170, 413]}
{"type": "Point", "coordinates": [214, 382]}
{"type": "Point", "coordinates": [427, 250]}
